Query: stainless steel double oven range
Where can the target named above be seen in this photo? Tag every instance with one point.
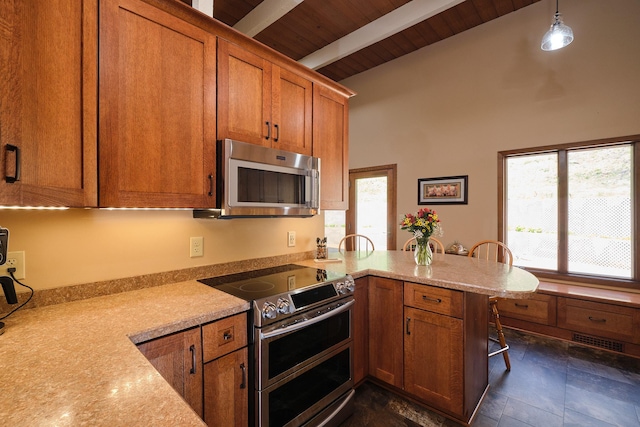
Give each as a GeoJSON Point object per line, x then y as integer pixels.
{"type": "Point", "coordinates": [300, 334]}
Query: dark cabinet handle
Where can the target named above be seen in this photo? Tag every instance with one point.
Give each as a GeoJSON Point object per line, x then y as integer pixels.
{"type": "Point", "coordinates": [268, 130]}
{"type": "Point", "coordinates": [16, 173]}
{"type": "Point", "coordinates": [277, 133]}
{"type": "Point", "coordinates": [525, 306]}
{"type": "Point", "coordinates": [594, 319]}
{"type": "Point", "coordinates": [227, 336]}
{"type": "Point", "coordinates": [244, 376]}
{"type": "Point", "coordinates": [436, 300]}
{"type": "Point", "coordinates": [408, 320]}
{"type": "Point", "coordinates": [192, 349]}
{"type": "Point", "coordinates": [210, 184]}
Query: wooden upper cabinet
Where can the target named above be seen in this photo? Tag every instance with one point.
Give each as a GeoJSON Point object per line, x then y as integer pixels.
{"type": "Point", "coordinates": [157, 108]}
{"type": "Point", "coordinates": [331, 145]}
{"type": "Point", "coordinates": [262, 103]}
{"type": "Point", "coordinates": [48, 116]}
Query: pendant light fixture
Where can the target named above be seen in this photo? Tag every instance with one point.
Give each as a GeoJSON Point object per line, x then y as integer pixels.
{"type": "Point", "coordinates": [558, 36]}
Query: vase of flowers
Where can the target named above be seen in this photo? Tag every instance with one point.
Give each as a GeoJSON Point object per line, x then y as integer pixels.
{"type": "Point", "coordinates": [423, 225]}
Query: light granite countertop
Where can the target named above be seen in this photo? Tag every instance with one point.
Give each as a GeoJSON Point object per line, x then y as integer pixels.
{"type": "Point", "coordinates": [446, 271]}
{"type": "Point", "coordinates": [76, 363]}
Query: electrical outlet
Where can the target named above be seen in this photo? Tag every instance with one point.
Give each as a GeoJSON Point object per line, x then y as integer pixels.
{"type": "Point", "coordinates": [197, 247]}
{"type": "Point", "coordinates": [291, 238]}
{"type": "Point", "coordinates": [14, 260]}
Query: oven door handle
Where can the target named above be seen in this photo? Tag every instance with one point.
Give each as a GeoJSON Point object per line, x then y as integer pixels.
{"type": "Point", "coordinates": [304, 324]}
{"type": "Point", "coordinates": [338, 409]}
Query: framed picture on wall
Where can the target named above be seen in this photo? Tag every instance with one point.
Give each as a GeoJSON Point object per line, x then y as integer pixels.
{"type": "Point", "coordinates": [446, 190]}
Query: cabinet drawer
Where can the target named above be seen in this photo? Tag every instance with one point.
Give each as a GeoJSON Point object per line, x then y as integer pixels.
{"type": "Point", "coordinates": [224, 336]}
{"type": "Point", "coordinates": [605, 320]}
{"type": "Point", "coordinates": [434, 299]}
{"type": "Point", "coordinates": [538, 309]}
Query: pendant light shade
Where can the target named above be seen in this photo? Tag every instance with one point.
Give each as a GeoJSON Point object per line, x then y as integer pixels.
{"type": "Point", "coordinates": [558, 36]}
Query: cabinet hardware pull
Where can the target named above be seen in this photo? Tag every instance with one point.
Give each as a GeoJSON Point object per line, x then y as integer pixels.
{"type": "Point", "coordinates": [522, 305]}
{"type": "Point", "coordinates": [436, 300]}
{"type": "Point", "coordinates": [244, 376]}
{"type": "Point", "coordinates": [594, 319]}
{"type": "Point", "coordinates": [408, 320]}
{"type": "Point", "coordinates": [210, 184]}
{"type": "Point", "coordinates": [192, 349]}
{"type": "Point", "coordinates": [277, 127]}
{"type": "Point", "coordinates": [16, 173]}
{"type": "Point", "coordinates": [227, 336]}
{"type": "Point", "coordinates": [268, 130]}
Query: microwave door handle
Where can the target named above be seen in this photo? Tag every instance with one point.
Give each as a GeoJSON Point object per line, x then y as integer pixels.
{"type": "Point", "coordinates": [314, 191]}
{"type": "Point", "coordinates": [300, 325]}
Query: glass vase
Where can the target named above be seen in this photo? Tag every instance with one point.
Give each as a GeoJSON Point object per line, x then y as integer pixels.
{"type": "Point", "coordinates": [423, 254]}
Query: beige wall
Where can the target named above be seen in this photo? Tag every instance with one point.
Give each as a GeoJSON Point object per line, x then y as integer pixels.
{"type": "Point", "coordinates": [82, 246]}
{"type": "Point", "coordinates": [448, 108]}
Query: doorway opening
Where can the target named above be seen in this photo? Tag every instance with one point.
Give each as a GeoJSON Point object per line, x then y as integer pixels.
{"type": "Point", "coordinates": [372, 208]}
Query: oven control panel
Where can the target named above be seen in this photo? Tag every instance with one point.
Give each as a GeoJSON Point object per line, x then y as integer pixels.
{"type": "Point", "coordinates": [279, 307]}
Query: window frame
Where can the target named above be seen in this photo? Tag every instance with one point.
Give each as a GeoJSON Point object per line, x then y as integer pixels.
{"type": "Point", "coordinates": [561, 273]}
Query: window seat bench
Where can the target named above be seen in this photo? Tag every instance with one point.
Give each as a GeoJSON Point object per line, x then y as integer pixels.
{"type": "Point", "coordinates": [604, 318]}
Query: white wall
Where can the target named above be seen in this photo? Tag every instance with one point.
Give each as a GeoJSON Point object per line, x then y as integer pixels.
{"type": "Point", "coordinates": [448, 108]}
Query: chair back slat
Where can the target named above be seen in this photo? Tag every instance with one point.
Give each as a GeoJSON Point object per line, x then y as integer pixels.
{"type": "Point", "coordinates": [356, 242]}
{"type": "Point", "coordinates": [492, 250]}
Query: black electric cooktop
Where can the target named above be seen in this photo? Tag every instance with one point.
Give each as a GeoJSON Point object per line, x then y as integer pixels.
{"type": "Point", "coordinates": [257, 284]}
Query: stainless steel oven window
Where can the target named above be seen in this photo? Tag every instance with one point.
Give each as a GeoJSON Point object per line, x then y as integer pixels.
{"type": "Point", "coordinates": [283, 350]}
{"type": "Point", "coordinates": [298, 397]}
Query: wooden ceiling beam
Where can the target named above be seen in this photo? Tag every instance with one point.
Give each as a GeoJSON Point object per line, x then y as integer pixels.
{"type": "Point", "coordinates": [389, 24]}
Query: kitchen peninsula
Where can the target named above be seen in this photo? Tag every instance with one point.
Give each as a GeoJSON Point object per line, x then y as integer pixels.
{"type": "Point", "coordinates": [77, 363]}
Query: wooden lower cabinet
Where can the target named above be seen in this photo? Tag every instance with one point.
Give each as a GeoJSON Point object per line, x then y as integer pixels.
{"type": "Point", "coordinates": [433, 362]}
{"type": "Point", "coordinates": [445, 348]}
{"type": "Point", "coordinates": [361, 330]}
{"type": "Point", "coordinates": [178, 358]}
{"type": "Point", "coordinates": [385, 330]}
{"type": "Point", "coordinates": [429, 343]}
{"type": "Point", "coordinates": [594, 323]}
{"type": "Point", "coordinates": [226, 393]}
{"type": "Point", "coordinates": [538, 308]}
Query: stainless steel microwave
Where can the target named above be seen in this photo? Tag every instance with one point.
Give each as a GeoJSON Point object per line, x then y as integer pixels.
{"type": "Point", "coordinates": [256, 181]}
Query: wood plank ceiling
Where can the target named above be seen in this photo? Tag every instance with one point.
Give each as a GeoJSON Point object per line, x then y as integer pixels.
{"type": "Point", "coordinates": [314, 24]}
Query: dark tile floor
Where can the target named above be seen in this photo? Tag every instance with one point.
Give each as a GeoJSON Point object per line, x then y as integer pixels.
{"type": "Point", "coordinates": [551, 383]}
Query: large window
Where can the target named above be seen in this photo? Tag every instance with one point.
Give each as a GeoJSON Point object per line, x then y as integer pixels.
{"type": "Point", "coordinates": [571, 212]}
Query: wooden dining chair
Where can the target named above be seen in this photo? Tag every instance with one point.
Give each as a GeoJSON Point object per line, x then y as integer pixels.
{"type": "Point", "coordinates": [495, 250]}
{"type": "Point", "coordinates": [356, 242]}
{"type": "Point", "coordinates": [436, 245]}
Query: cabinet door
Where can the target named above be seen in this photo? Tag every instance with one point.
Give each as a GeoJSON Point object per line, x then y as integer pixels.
{"type": "Point", "coordinates": [385, 328]}
{"type": "Point", "coordinates": [244, 95]}
{"type": "Point", "coordinates": [178, 358]}
{"type": "Point", "coordinates": [433, 359]}
{"type": "Point", "coordinates": [48, 114]}
{"type": "Point", "coordinates": [361, 330]}
{"type": "Point", "coordinates": [226, 392]}
{"type": "Point", "coordinates": [331, 145]}
{"type": "Point", "coordinates": [292, 102]}
{"type": "Point", "coordinates": [157, 108]}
